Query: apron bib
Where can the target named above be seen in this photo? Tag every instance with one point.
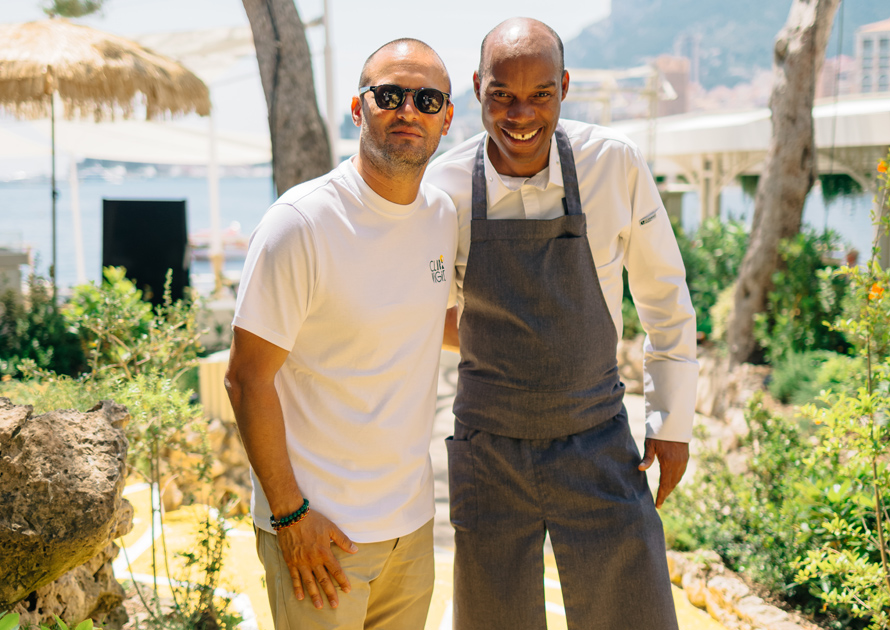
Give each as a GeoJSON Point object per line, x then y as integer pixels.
{"type": "Point", "coordinates": [538, 344]}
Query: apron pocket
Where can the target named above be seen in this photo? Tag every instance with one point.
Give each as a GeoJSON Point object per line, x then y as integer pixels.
{"type": "Point", "coordinates": [461, 484]}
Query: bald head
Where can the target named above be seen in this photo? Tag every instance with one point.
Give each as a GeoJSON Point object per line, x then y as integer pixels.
{"type": "Point", "coordinates": [404, 50]}
{"type": "Point", "coordinates": [519, 37]}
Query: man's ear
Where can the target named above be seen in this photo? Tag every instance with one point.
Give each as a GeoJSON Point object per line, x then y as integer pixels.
{"type": "Point", "coordinates": [477, 85]}
{"type": "Point", "coordinates": [356, 108]}
{"type": "Point", "coordinates": [565, 84]}
{"type": "Point", "coordinates": [449, 114]}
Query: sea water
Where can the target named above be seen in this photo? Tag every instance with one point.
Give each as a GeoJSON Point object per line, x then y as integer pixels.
{"type": "Point", "coordinates": [25, 215]}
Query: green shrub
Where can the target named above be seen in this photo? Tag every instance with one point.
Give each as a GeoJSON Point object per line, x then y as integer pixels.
{"type": "Point", "coordinates": [809, 517]}
{"type": "Point", "coordinates": [851, 568]}
{"type": "Point", "coordinates": [743, 517]}
{"type": "Point", "coordinates": [799, 377]}
{"type": "Point", "coordinates": [720, 314]}
{"type": "Point", "coordinates": [32, 328]}
{"type": "Point", "coordinates": [143, 358]}
{"type": "Point", "coordinates": [122, 333]}
{"type": "Point", "coordinates": [804, 298]}
{"type": "Point", "coordinates": [712, 256]}
{"type": "Point", "coordinates": [763, 520]}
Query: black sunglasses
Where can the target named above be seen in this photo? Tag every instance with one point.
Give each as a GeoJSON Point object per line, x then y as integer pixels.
{"type": "Point", "coordinates": [426, 100]}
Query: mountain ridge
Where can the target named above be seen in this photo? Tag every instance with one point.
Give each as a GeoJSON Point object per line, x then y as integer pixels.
{"type": "Point", "coordinates": [733, 46]}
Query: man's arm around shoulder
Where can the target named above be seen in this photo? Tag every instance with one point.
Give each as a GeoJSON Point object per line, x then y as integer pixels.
{"type": "Point", "coordinates": [250, 382]}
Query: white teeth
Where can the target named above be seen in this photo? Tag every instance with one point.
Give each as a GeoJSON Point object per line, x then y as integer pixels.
{"type": "Point", "coordinates": [526, 136]}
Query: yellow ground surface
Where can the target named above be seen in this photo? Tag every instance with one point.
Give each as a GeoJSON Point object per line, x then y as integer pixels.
{"type": "Point", "coordinates": [243, 572]}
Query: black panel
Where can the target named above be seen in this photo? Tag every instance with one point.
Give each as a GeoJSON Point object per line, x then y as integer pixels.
{"type": "Point", "coordinates": [148, 237]}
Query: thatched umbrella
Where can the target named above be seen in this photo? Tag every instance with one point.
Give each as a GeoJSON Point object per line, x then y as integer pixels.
{"type": "Point", "coordinates": [96, 75]}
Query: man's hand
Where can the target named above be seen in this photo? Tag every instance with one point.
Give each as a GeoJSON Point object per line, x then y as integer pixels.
{"type": "Point", "coordinates": [310, 561]}
{"type": "Point", "coordinates": [672, 459]}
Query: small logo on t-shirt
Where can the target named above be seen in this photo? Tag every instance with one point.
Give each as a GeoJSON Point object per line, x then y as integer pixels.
{"type": "Point", "coordinates": [437, 269]}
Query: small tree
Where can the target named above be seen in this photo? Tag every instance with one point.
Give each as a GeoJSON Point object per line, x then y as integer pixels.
{"type": "Point", "coordinates": [790, 167]}
{"type": "Point", "coordinates": [73, 8]}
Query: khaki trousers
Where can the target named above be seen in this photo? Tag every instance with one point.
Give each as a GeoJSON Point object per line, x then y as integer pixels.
{"type": "Point", "coordinates": [392, 585]}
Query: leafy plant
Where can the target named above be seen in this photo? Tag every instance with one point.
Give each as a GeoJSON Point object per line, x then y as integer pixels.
{"type": "Point", "coordinates": [136, 357]}
{"type": "Point", "coordinates": [32, 328]}
{"type": "Point", "coordinates": [632, 325]}
{"type": "Point", "coordinates": [198, 601]}
{"type": "Point", "coordinates": [852, 568]}
{"type": "Point", "coordinates": [743, 517]}
{"type": "Point", "coordinates": [10, 621]}
{"type": "Point", "coordinates": [836, 185]}
{"type": "Point", "coordinates": [123, 333]}
{"type": "Point", "coordinates": [808, 516]}
{"type": "Point", "coordinates": [799, 377]}
{"type": "Point", "coordinates": [803, 300]}
{"type": "Point", "coordinates": [712, 256]}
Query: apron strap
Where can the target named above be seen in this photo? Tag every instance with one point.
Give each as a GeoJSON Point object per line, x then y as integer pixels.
{"type": "Point", "coordinates": [480, 190]}
{"type": "Point", "coordinates": [572, 200]}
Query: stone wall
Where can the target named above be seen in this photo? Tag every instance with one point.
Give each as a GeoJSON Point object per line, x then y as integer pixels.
{"type": "Point", "coordinates": [726, 597]}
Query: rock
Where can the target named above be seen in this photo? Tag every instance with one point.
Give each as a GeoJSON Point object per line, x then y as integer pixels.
{"type": "Point", "coordinates": [713, 374]}
{"type": "Point", "coordinates": [711, 586]}
{"type": "Point", "coordinates": [217, 433]}
{"type": "Point", "coordinates": [728, 589]}
{"type": "Point", "coordinates": [233, 487]}
{"type": "Point", "coordinates": [676, 566]}
{"type": "Point", "coordinates": [758, 613]}
{"type": "Point", "coordinates": [87, 591]}
{"type": "Point", "coordinates": [696, 592]}
{"type": "Point", "coordinates": [61, 478]}
{"type": "Point", "coordinates": [171, 496]}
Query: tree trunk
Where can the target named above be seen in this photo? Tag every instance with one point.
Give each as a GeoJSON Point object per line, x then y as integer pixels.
{"type": "Point", "coordinates": [790, 167]}
{"type": "Point", "coordinates": [301, 149]}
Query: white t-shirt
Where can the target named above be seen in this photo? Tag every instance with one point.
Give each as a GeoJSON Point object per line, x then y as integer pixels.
{"type": "Point", "coordinates": [355, 287]}
{"type": "Point", "coordinates": [627, 228]}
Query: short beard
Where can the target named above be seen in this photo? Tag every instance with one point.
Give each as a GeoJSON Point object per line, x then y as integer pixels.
{"type": "Point", "coordinates": [395, 163]}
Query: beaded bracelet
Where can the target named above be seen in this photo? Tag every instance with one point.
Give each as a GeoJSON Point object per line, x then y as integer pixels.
{"type": "Point", "coordinates": [290, 519]}
{"type": "Point", "coordinates": [279, 527]}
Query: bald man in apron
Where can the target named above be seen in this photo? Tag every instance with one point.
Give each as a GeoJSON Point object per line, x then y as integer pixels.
{"type": "Point", "coordinates": [541, 440]}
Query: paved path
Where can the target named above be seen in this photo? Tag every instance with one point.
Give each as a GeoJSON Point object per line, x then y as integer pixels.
{"type": "Point", "coordinates": [243, 573]}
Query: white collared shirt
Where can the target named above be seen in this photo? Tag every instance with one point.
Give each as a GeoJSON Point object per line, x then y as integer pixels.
{"type": "Point", "coordinates": [627, 227]}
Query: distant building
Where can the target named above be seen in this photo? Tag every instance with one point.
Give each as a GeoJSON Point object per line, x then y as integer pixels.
{"type": "Point", "coordinates": [873, 57]}
{"type": "Point", "coordinates": [838, 77]}
{"type": "Point", "coordinates": [676, 71]}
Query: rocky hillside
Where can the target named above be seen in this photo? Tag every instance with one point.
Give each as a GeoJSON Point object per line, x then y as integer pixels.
{"type": "Point", "coordinates": [735, 38]}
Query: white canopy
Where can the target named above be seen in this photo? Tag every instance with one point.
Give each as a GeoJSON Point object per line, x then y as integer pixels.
{"type": "Point", "coordinates": [137, 141]}
{"type": "Point", "coordinates": [860, 121]}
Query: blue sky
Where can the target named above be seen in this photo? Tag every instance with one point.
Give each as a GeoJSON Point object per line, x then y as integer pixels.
{"type": "Point", "coordinates": [454, 29]}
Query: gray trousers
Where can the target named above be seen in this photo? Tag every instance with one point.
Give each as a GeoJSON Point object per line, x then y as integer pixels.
{"type": "Point", "coordinates": [586, 491]}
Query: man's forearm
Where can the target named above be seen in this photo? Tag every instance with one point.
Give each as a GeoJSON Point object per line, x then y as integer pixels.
{"type": "Point", "coordinates": [450, 338]}
{"type": "Point", "coordinates": [261, 425]}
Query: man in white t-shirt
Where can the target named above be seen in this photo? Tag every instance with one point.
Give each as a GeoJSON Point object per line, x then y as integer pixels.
{"type": "Point", "coordinates": [333, 369]}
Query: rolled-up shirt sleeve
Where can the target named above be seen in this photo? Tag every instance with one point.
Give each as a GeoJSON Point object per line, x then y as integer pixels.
{"type": "Point", "coordinates": [657, 279]}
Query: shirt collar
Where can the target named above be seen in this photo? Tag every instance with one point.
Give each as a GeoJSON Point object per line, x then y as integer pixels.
{"type": "Point", "coordinates": [495, 185]}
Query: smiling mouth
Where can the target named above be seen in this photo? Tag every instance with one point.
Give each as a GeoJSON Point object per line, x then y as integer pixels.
{"type": "Point", "coordinates": [522, 137]}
